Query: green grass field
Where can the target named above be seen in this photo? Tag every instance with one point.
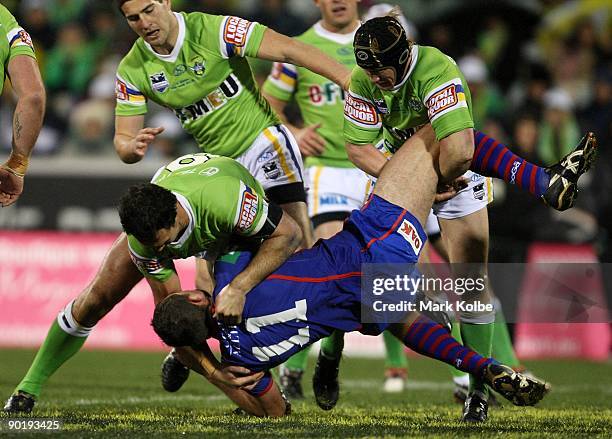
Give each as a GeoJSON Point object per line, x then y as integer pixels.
{"type": "Point", "coordinates": [117, 394]}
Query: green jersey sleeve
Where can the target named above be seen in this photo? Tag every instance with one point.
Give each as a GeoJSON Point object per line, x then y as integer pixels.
{"type": "Point", "coordinates": [362, 122]}
{"type": "Point", "coordinates": [447, 101]}
{"type": "Point", "coordinates": [241, 210]}
{"type": "Point", "coordinates": [17, 40]}
{"type": "Point", "coordinates": [282, 81]}
{"type": "Point", "coordinates": [239, 37]}
{"type": "Point", "coordinates": [130, 100]}
{"type": "Point", "coordinates": [149, 263]}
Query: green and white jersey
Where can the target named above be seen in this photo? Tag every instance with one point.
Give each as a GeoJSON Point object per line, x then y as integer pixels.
{"type": "Point", "coordinates": [223, 201]}
{"type": "Point", "coordinates": [319, 99]}
{"type": "Point", "coordinates": [206, 81]}
{"type": "Point", "coordinates": [434, 90]}
{"type": "Point", "coordinates": [16, 41]}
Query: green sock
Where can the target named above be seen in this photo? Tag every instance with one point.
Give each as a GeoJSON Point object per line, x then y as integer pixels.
{"type": "Point", "coordinates": [456, 333]}
{"type": "Point", "coordinates": [57, 348]}
{"type": "Point", "coordinates": [298, 361]}
{"type": "Point", "coordinates": [503, 351]}
{"type": "Point", "coordinates": [478, 337]}
{"type": "Point", "coordinates": [333, 345]}
{"type": "Point", "coordinates": [395, 358]}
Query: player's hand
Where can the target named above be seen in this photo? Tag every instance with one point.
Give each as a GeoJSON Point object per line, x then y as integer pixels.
{"type": "Point", "coordinates": [309, 141]}
{"type": "Point", "coordinates": [236, 376]}
{"type": "Point", "coordinates": [138, 145]}
{"type": "Point", "coordinates": [11, 187]}
{"type": "Point", "coordinates": [229, 305]}
{"type": "Point", "coordinates": [446, 191]}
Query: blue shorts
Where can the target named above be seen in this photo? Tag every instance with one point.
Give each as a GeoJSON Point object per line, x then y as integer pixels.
{"type": "Point", "coordinates": [388, 233]}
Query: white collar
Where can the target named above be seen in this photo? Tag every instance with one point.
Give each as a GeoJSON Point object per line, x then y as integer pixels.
{"type": "Point", "coordinates": [180, 39]}
{"type": "Point", "coordinates": [414, 57]}
{"type": "Point", "coordinates": [333, 36]}
{"type": "Point", "coordinates": [183, 202]}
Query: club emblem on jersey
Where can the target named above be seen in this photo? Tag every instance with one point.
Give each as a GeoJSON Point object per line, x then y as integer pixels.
{"type": "Point", "coordinates": [415, 104]}
{"type": "Point", "coordinates": [159, 82]}
{"type": "Point", "coordinates": [179, 70]}
{"type": "Point", "coordinates": [198, 66]}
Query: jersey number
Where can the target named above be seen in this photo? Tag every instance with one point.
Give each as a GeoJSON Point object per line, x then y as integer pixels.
{"type": "Point", "coordinates": [302, 338]}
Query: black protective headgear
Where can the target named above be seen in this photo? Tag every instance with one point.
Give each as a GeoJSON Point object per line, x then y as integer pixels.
{"type": "Point", "coordinates": [382, 43]}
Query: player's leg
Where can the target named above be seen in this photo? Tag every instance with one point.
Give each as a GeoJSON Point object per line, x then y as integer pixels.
{"type": "Point", "coordinates": [410, 177]}
{"type": "Point", "coordinates": [396, 364]}
{"type": "Point", "coordinates": [556, 185]}
{"type": "Point", "coordinates": [433, 340]}
{"type": "Point", "coordinates": [114, 280]}
{"type": "Point", "coordinates": [467, 241]}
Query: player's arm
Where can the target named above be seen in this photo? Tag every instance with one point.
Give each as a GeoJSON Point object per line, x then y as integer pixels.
{"type": "Point", "coordinates": [309, 141]}
{"type": "Point", "coordinates": [132, 139]}
{"type": "Point", "coordinates": [367, 158]}
{"type": "Point", "coordinates": [27, 122]}
{"type": "Point", "coordinates": [279, 47]}
{"type": "Point", "coordinates": [271, 403]}
{"type": "Point", "coordinates": [456, 152]}
{"type": "Point", "coordinates": [273, 251]}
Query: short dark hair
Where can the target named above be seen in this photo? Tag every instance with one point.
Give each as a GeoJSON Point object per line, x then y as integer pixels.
{"type": "Point", "coordinates": [120, 3]}
{"type": "Point", "coordinates": [145, 209]}
{"type": "Point", "coordinates": [179, 322]}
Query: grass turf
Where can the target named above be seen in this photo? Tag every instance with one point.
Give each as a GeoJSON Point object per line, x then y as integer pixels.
{"type": "Point", "coordinates": [117, 394]}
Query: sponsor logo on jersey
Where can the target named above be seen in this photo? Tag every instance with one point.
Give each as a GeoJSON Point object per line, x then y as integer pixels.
{"type": "Point", "coordinates": [479, 191]}
{"type": "Point", "coordinates": [228, 89]}
{"type": "Point", "coordinates": [147, 265]}
{"type": "Point", "coordinates": [121, 90]}
{"type": "Point", "coordinates": [179, 70]}
{"type": "Point", "coordinates": [448, 97]}
{"type": "Point", "coordinates": [19, 37]}
{"type": "Point", "coordinates": [381, 106]}
{"type": "Point", "coordinates": [159, 82]}
{"type": "Point", "coordinates": [248, 210]}
{"type": "Point", "coordinates": [326, 94]}
{"type": "Point", "coordinates": [360, 111]}
{"type": "Point", "coordinates": [333, 199]}
{"type": "Point", "coordinates": [409, 233]}
{"type": "Point", "coordinates": [271, 169]}
{"type": "Point", "coordinates": [236, 30]}
{"type": "Point", "coordinates": [209, 172]}
{"type": "Point", "coordinates": [265, 157]}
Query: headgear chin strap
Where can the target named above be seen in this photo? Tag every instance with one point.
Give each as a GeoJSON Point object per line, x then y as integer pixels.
{"type": "Point", "coordinates": [382, 43]}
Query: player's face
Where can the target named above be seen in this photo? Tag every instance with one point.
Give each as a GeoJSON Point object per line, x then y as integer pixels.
{"type": "Point", "coordinates": [383, 78]}
{"type": "Point", "coordinates": [338, 13]}
{"type": "Point", "coordinates": [166, 236]}
{"type": "Point", "coordinates": [150, 19]}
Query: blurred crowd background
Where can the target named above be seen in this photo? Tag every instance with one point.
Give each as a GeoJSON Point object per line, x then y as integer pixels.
{"type": "Point", "coordinates": [539, 72]}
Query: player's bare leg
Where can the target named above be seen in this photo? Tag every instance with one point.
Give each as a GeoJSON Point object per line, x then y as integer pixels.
{"type": "Point", "coordinates": [410, 177]}
{"type": "Point", "coordinates": [114, 280]}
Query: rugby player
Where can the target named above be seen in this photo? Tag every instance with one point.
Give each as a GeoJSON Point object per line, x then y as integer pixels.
{"type": "Point", "coordinates": [316, 291]}
{"type": "Point", "coordinates": [400, 86]}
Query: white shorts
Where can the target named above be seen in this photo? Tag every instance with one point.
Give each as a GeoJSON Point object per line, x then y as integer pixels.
{"type": "Point", "coordinates": [336, 189]}
{"type": "Point", "coordinates": [474, 197]}
{"type": "Point", "coordinates": [274, 158]}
